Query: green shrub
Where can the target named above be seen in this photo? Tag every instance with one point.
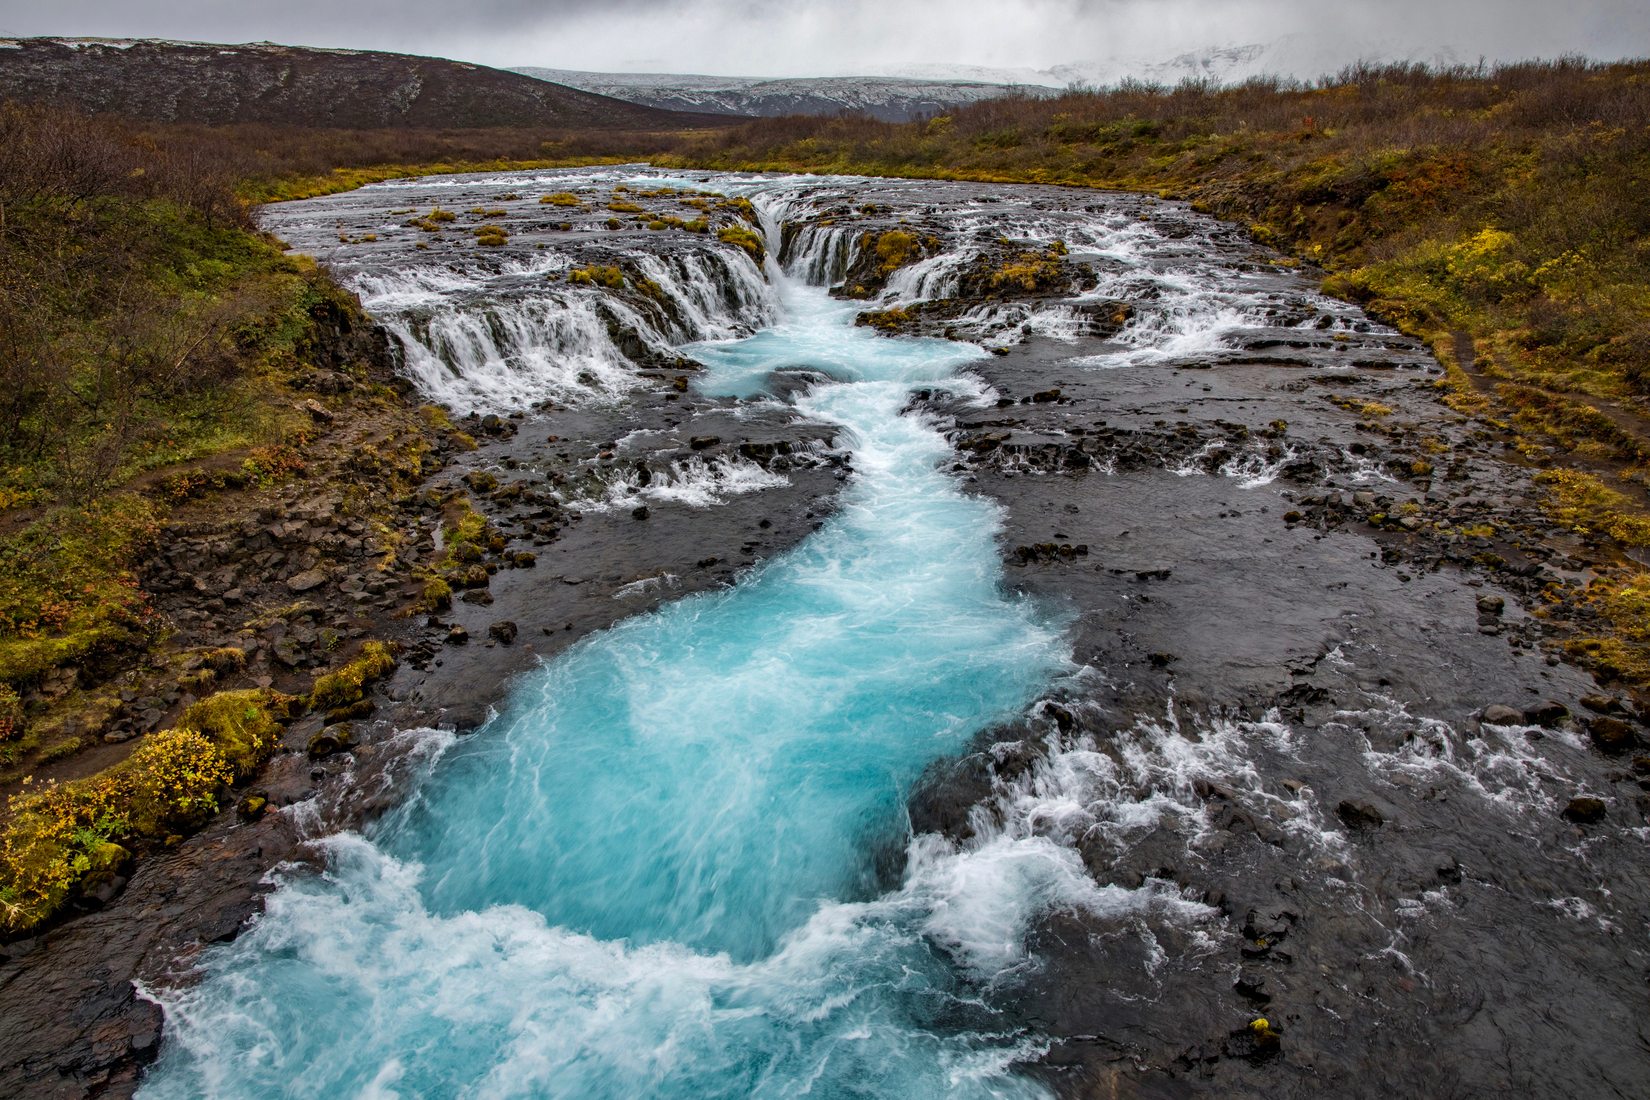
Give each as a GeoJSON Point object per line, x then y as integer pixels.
{"type": "Point", "coordinates": [244, 726]}
{"type": "Point", "coordinates": [174, 777]}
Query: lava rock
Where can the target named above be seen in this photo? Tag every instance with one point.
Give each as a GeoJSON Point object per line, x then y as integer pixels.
{"type": "Point", "coordinates": [1611, 735]}
{"type": "Point", "coordinates": [1584, 810]}
{"type": "Point", "coordinates": [1359, 815]}
{"type": "Point", "coordinates": [307, 580]}
{"type": "Point", "coordinates": [1548, 714]}
{"type": "Point", "coordinates": [1253, 987]}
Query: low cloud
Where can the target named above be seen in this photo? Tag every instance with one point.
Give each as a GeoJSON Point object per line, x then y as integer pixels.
{"type": "Point", "coordinates": [832, 37]}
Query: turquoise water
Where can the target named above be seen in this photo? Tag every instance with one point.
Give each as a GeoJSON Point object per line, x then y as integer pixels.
{"type": "Point", "coordinates": [652, 874]}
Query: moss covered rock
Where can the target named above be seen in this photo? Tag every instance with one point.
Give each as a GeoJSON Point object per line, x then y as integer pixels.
{"type": "Point", "coordinates": [348, 683]}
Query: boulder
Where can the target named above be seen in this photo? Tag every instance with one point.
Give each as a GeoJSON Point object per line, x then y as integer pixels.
{"type": "Point", "coordinates": [1611, 735]}
{"type": "Point", "coordinates": [335, 738]}
{"type": "Point", "coordinates": [1497, 715]}
{"type": "Point", "coordinates": [307, 580]}
{"type": "Point", "coordinates": [1603, 704]}
{"type": "Point", "coordinates": [1548, 714]}
{"type": "Point", "coordinates": [1584, 810]}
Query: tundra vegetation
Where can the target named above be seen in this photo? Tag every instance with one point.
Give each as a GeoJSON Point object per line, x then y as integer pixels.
{"type": "Point", "coordinates": [155, 348]}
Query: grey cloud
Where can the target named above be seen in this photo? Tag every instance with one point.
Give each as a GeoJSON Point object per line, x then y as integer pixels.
{"type": "Point", "coordinates": [818, 37]}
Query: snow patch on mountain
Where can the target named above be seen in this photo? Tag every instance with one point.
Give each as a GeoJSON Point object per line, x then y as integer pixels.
{"type": "Point", "coordinates": [898, 93]}
{"type": "Point", "coordinates": [892, 98]}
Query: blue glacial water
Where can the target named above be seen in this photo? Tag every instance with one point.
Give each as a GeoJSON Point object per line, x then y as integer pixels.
{"type": "Point", "coordinates": [653, 873]}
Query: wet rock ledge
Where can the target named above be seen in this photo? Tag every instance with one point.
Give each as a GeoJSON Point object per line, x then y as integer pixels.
{"type": "Point", "coordinates": [1330, 710]}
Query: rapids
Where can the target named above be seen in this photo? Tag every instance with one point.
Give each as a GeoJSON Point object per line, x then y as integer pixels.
{"type": "Point", "coordinates": [879, 817]}
{"type": "Point", "coordinates": [655, 872]}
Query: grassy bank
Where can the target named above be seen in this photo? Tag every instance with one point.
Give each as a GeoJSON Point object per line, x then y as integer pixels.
{"type": "Point", "coordinates": [272, 164]}
{"type": "Point", "coordinates": [158, 357]}
{"type": "Point", "coordinates": [1503, 215]}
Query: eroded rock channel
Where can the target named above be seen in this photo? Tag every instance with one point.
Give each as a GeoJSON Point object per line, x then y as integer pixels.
{"type": "Point", "coordinates": [942, 640]}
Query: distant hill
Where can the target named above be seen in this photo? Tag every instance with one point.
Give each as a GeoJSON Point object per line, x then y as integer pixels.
{"type": "Point", "coordinates": [891, 98]}
{"type": "Point", "coordinates": [260, 82]}
{"type": "Point", "coordinates": [901, 93]}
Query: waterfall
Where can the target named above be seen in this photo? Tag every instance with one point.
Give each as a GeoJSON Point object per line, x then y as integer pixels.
{"type": "Point", "coordinates": [509, 339]}
{"type": "Point", "coordinates": [655, 872]}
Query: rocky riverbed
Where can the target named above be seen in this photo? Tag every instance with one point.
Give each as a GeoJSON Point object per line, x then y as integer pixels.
{"type": "Point", "coordinates": [1321, 705]}
{"type": "Point", "coordinates": [1314, 697]}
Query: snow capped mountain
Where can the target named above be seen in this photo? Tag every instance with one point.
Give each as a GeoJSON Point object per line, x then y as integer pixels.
{"type": "Point", "coordinates": [902, 92]}
{"type": "Point", "coordinates": [892, 98]}
{"type": "Point", "coordinates": [1303, 57]}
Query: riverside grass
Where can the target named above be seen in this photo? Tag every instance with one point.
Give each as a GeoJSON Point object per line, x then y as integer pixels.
{"type": "Point", "coordinates": [151, 337]}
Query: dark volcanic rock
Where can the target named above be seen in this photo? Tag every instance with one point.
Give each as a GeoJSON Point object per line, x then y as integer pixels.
{"type": "Point", "coordinates": [1585, 810]}
{"type": "Point", "coordinates": [1612, 735]}
{"type": "Point", "coordinates": [1550, 713]}
{"type": "Point", "coordinates": [1359, 815]}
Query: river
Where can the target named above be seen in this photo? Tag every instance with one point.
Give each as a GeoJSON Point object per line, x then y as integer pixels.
{"type": "Point", "coordinates": [697, 854]}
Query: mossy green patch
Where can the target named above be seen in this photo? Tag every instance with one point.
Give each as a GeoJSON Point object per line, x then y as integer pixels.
{"type": "Point", "coordinates": [243, 726]}
{"type": "Point", "coordinates": [742, 237]}
{"type": "Point", "coordinates": [348, 683]}
{"type": "Point", "coordinates": [605, 275]}
{"type": "Point", "coordinates": [68, 590]}
{"type": "Point", "coordinates": [1585, 504]}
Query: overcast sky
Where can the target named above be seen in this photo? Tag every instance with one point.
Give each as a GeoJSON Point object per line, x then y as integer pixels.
{"type": "Point", "coordinates": [829, 37]}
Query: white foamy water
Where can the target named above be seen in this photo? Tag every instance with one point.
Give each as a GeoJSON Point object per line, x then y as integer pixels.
{"type": "Point", "coordinates": [694, 482]}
